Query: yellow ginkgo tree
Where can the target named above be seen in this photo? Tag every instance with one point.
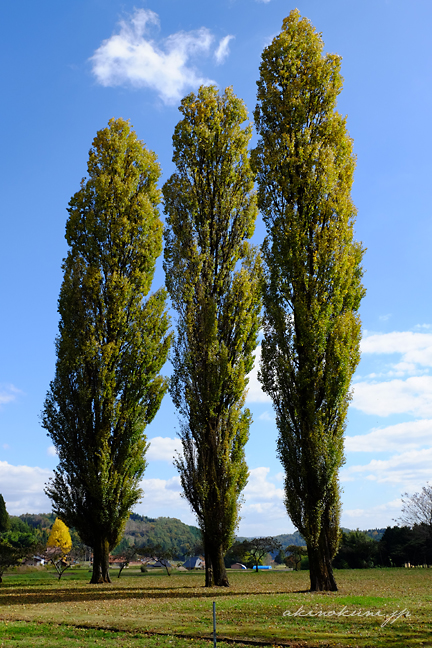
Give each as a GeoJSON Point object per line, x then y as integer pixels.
{"type": "Point", "coordinates": [59, 546]}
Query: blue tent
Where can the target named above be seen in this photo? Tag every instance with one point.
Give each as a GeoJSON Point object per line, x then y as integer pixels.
{"type": "Point", "coordinates": [195, 562]}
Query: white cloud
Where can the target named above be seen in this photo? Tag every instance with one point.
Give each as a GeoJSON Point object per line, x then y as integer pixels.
{"type": "Point", "coordinates": [162, 491]}
{"type": "Point", "coordinates": [22, 488]}
{"type": "Point", "coordinates": [162, 497]}
{"type": "Point", "coordinates": [415, 348]}
{"type": "Point", "coordinates": [373, 395]}
{"type": "Point", "coordinates": [131, 57]}
{"type": "Point", "coordinates": [255, 392]}
{"type": "Point", "coordinates": [8, 393]}
{"type": "Point", "coordinates": [259, 488]}
{"type": "Point", "coordinates": [407, 435]}
{"type": "Point", "coordinates": [373, 517]}
{"type": "Point", "coordinates": [163, 449]}
{"type": "Point", "coordinates": [384, 318]}
{"type": "Point", "coordinates": [263, 512]}
{"type": "Point", "coordinates": [222, 51]}
{"type": "Point", "coordinates": [409, 470]}
{"type": "Point", "coordinates": [412, 396]}
{"type": "Point", "coordinates": [51, 451]}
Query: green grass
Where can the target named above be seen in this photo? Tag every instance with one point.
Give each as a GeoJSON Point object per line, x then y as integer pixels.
{"type": "Point", "coordinates": [28, 634]}
{"type": "Point", "coordinates": [156, 610]}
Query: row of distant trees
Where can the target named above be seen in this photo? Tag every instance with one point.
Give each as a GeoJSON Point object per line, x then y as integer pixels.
{"type": "Point", "coordinates": [114, 333]}
{"type": "Point", "coordinates": [19, 542]}
{"type": "Point", "coordinates": [396, 547]}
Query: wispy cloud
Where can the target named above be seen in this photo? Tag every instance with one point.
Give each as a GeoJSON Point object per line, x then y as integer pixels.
{"type": "Point", "coordinates": [408, 470]}
{"type": "Point", "coordinates": [260, 488]}
{"type": "Point", "coordinates": [412, 396]}
{"type": "Point", "coordinates": [222, 50]}
{"type": "Point", "coordinates": [415, 348]}
{"type": "Point", "coordinates": [8, 393]}
{"type": "Point", "coordinates": [410, 389]}
{"type": "Point", "coordinates": [267, 416]}
{"type": "Point", "coordinates": [131, 57]}
{"type": "Point", "coordinates": [160, 491]}
{"type": "Point", "coordinates": [372, 517]}
{"type": "Point", "coordinates": [408, 435]}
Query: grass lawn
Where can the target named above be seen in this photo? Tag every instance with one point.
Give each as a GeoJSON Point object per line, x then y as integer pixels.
{"type": "Point", "coordinates": [154, 609]}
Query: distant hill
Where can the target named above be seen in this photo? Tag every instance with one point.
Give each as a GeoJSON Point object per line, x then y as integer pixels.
{"type": "Point", "coordinates": [291, 539]}
{"type": "Point", "coordinates": [140, 531]}
{"type": "Point", "coordinates": [375, 534]}
{"type": "Point", "coordinates": [165, 531]}
{"type": "Point", "coordinates": [39, 521]}
{"type": "Point", "coordinates": [297, 539]}
{"type": "Point", "coordinates": [284, 538]}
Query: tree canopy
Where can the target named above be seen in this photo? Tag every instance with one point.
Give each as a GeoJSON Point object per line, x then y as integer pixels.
{"type": "Point", "coordinates": [304, 164]}
{"type": "Point", "coordinates": [60, 537]}
{"type": "Point", "coordinates": [113, 341]}
{"type": "Point", "coordinates": [4, 516]}
{"type": "Point", "coordinates": [213, 277]}
{"type": "Point", "coordinates": [417, 508]}
{"type": "Point", "coordinates": [258, 548]}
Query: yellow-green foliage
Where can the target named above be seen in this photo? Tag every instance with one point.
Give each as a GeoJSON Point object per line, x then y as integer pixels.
{"type": "Point", "coordinates": [213, 276]}
{"type": "Point", "coordinates": [305, 164]}
{"type": "Point", "coordinates": [113, 340]}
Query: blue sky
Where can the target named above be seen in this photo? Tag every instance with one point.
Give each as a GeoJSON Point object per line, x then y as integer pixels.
{"type": "Point", "coordinates": [67, 68]}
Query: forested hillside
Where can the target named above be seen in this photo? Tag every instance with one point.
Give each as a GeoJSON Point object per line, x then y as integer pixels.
{"type": "Point", "coordinates": [169, 533]}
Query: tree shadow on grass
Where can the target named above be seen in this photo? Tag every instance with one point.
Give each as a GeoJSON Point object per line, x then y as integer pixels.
{"type": "Point", "coordinates": [110, 593]}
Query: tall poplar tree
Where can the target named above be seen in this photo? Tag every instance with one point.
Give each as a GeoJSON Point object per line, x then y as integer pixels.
{"type": "Point", "coordinates": [213, 276]}
{"type": "Point", "coordinates": [4, 516]}
{"type": "Point", "coordinates": [112, 343]}
{"type": "Point", "coordinates": [304, 164]}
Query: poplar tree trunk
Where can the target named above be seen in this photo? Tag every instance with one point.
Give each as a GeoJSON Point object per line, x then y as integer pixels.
{"type": "Point", "coordinates": [209, 580]}
{"type": "Point", "coordinates": [216, 574]}
{"type": "Point", "coordinates": [320, 567]}
{"type": "Point", "coordinates": [101, 563]}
